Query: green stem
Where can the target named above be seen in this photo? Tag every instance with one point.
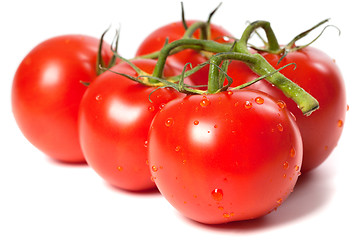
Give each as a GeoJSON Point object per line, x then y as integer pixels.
{"type": "Point", "coordinates": [255, 61]}
{"type": "Point", "coordinates": [99, 60]}
{"type": "Point", "coordinates": [197, 44]}
{"type": "Point", "coordinates": [195, 26]}
{"type": "Point", "coordinates": [189, 72]}
{"type": "Point", "coordinates": [273, 45]}
{"type": "Point", "coordinates": [304, 100]}
{"type": "Point", "coordinates": [240, 52]}
{"type": "Point", "coordinates": [292, 43]}
{"type": "Point", "coordinates": [101, 66]}
{"type": "Point", "coordinates": [213, 84]}
{"type": "Point", "coordinates": [188, 34]}
{"type": "Point", "coordinates": [259, 65]}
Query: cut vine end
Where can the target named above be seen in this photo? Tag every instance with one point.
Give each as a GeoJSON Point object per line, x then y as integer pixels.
{"type": "Point", "coordinates": [308, 110]}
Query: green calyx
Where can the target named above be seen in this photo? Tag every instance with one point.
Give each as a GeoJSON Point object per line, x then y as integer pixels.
{"type": "Point", "coordinates": [274, 48]}
{"type": "Point", "coordinates": [101, 66]}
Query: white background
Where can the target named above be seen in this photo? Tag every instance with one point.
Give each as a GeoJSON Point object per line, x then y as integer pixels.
{"type": "Point", "coordinates": [42, 199]}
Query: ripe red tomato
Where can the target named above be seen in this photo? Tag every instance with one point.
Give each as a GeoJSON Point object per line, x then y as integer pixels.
{"type": "Point", "coordinates": [225, 157]}
{"type": "Point", "coordinates": [319, 75]}
{"type": "Point", "coordinates": [47, 91]}
{"type": "Point", "coordinates": [175, 31]}
{"type": "Point", "coordinates": [114, 119]}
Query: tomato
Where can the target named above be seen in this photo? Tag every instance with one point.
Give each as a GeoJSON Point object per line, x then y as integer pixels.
{"type": "Point", "coordinates": [225, 157]}
{"type": "Point", "coordinates": [175, 31]}
{"type": "Point", "coordinates": [114, 119]}
{"type": "Point", "coordinates": [319, 75]}
{"type": "Point", "coordinates": [47, 91]}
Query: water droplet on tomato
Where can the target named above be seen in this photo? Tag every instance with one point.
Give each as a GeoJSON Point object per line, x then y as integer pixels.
{"type": "Point", "coordinates": [119, 168]}
{"type": "Point", "coordinates": [161, 106]}
{"type": "Point", "coordinates": [248, 105]}
{"type": "Point", "coordinates": [177, 148]}
{"type": "Point", "coordinates": [196, 122]}
{"type": "Point", "coordinates": [347, 107]}
{"type": "Point", "coordinates": [340, 123]}
{"type": "Point", "coordinates": [281, 104]}
{"type": "Point", "coordinates": [297, 168]}
{"type": "Point", "coordinates": [228, 215]}
{"type": "Point", "coordinates": [205, 102]}
{"type": "Point", "coordinates": [151, 108]}
{"type": "Point", "coordinates": [285, 165]}
{"type": "Point", "coordinates": [145, 143]}
{"type": "Point", "coordinates": [169, 122]}
{"type": "Point", "coordinates": [221, 208]}
{"type": "Point", "coordinates": [154, 168]}
{"type": "Point", "coordinates": [279, 201]}
{"type": "Point", "coordinates": [259, 100]}
{"type": "Point", "coordinates": [98, 98]}
{"type": "Point", "coordinates": [279, 127]}
{"type": "Point", "coordinates": [292, 152]}
{"type": "Point", "coordinates": [230, 92]}
{"type": "Point", "coordinates": [217, 194]}
{"type": "Point", "coordinates": [215, 126]}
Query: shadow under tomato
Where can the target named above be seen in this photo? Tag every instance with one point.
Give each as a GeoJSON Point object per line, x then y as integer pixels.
{"type": "Point", "coordinates": [152, 191]}
{"type": "Point", "coordinates": [67, 164]}
{"type": "Point", "coordinates": [312, 192]}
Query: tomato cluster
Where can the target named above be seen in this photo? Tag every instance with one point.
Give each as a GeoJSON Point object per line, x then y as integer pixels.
{"type": "Point", "coordinates": [221, 138]}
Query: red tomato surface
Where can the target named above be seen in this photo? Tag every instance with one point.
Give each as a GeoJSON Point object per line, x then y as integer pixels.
{"type": "Point", "coordinates": [47, 91]}
{"type": "Point", "coordinates": [319, 75]}
{"type": "Point", "coordinates": [114, 119]}
{"type": "Point", "coordinates": [175, 31]}
{"type": "Point", "coordinates": [225, 157]}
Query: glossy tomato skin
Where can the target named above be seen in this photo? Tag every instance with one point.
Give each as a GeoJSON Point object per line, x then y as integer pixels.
{"type": "Point", "coordinates": [225, 157]}
{"type": "Point", "coordinates": [319, 75]}
{"type": "Point", "coordinates": [175, 31]}
{"type": "Point", "coordinates": [114, 119]}
{"type": "Point", "coordinates": [47, 91]}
